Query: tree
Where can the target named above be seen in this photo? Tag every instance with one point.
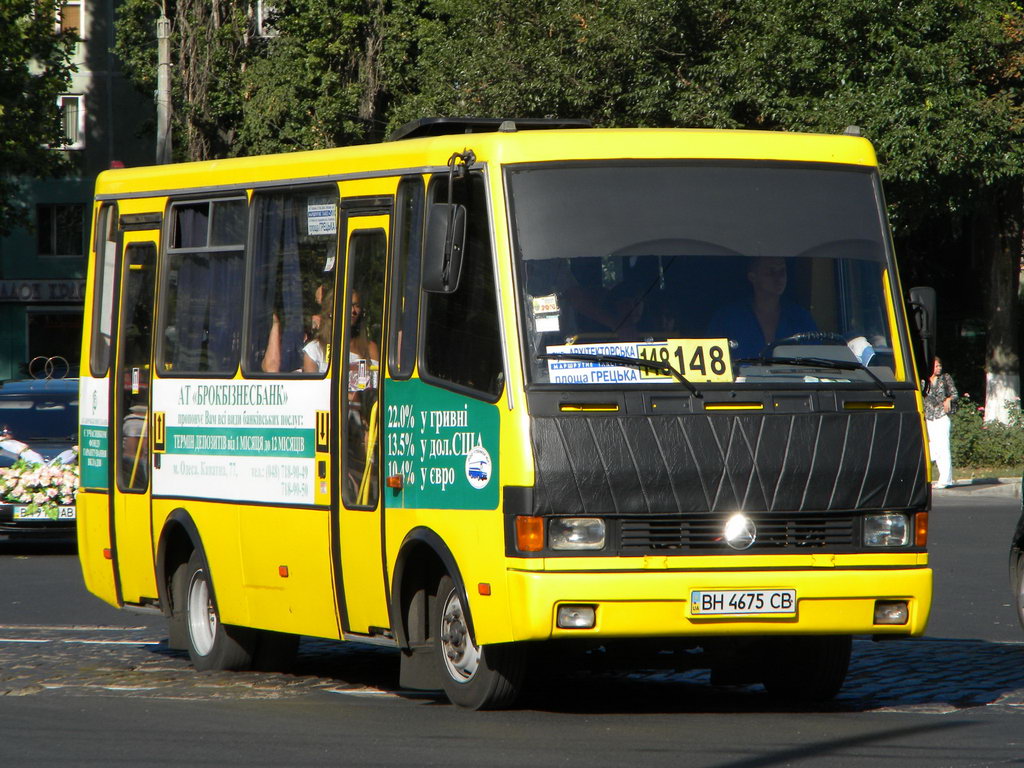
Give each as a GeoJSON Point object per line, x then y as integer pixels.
{"type": "Point", "coordinates": [35, 68]}
{"type": "Point", "coordinates": [934, 84]}
{"type": "Point", "coordinates": [318, 83]}
{"type": "Point", "coordinates": [612, 61]}
{"type": "Point", "coordinates": [212, 44]}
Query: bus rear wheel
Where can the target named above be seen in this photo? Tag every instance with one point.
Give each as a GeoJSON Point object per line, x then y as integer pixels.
{"type": "Point", "coordinates": [473, 676]}
{"type": "Point", "coordinates": [212, 645]}
{"type": "Point", "coordinates": [807, 669]}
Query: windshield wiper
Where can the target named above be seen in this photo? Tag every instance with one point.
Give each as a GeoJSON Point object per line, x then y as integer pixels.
{"type": "Point", "coordinates": [822, 362]}
{"type": "Point", "coordinates": [635, 362]}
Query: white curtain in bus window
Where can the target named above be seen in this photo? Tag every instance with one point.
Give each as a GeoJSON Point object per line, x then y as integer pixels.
{"type": "Point", "coordinates": [203, 299]}
{"type": "Point", "coordinates": [293, 261]}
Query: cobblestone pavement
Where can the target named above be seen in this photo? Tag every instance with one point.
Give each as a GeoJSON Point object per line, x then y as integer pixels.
{"type": "Point", "coordinates": [928, 676]}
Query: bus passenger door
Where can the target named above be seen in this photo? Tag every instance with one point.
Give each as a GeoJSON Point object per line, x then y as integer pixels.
{"type": "Point", "coordinates": [360, 307]}
{"type": "Point", "coordinates": [130, 425]}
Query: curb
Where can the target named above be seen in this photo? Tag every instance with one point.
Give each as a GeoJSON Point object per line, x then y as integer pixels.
{"type": "Point", "coordinates": [1002, 486]}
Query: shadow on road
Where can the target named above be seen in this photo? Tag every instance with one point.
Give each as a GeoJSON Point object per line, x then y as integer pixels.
{"type": "Point", "coordinates": [928, 676]}
{"type": "Point", "coordinates": [36, 546]}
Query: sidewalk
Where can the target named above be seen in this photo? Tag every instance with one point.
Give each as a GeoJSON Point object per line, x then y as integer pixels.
{"type": "Point", "coordinates": [982, 486]}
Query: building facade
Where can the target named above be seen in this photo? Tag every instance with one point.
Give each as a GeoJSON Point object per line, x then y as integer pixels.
{"type": "Point", "coordinates": [43, 266]}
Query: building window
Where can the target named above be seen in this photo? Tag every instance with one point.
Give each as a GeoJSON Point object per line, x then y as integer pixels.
{"type": "Point", "coordinates": [55, 333]}
{"type": "Point", "coordinates": [72, 116]}
{"type": "Point", "coordinates": [70, 17]}
{"type": "Point", "coordinates": [60, 229]}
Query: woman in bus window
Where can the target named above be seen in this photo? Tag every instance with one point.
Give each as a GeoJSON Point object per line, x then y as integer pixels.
{"type": "Point", "coordinates": [316, 355]}
{"type": "Point", "coordinates": [363, 353]}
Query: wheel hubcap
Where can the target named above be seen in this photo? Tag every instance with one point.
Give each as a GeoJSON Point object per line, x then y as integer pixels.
{"type": "Point", "coordinates": [461, 655]}
{"type": "Point", "coordinates": [202, 618]}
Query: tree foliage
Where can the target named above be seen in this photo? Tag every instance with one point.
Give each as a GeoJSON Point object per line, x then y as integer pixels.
{"type": "Point", "coordinates": [935, 84]}
{"type": "Point", "coordinates": [613, 61]}
{"type": "Point", "coordinates": [317, 84]}
{"type": "Point", "coordinates": [212, 45]}
{"type": "Point", "coordinates": [927, 81]}
{"type": "Point", "coordinates": [35, 68]}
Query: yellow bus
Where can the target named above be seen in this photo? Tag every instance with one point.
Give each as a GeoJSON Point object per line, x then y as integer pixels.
{"type": "Point", "coordinates": [593, 391]}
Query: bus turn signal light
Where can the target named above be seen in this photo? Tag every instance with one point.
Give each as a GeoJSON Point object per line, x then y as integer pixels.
{"type": "Point", "coordinates": [921, 529]}
{"type": "Point", "coordinates": [529, 534]}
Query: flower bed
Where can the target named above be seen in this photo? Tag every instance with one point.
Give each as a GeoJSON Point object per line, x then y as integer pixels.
{"type": "Point", "coordinates": [43, 487]}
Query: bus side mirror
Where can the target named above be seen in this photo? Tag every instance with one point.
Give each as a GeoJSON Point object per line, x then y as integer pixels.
{"type": "Point", "coordinates": [445, 243]}
{"type": "Point", "coordinates": [923, 316]}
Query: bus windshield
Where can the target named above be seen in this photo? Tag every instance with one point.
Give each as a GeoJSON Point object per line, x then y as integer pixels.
{"type": "Point", "coordinates": [728, 272]}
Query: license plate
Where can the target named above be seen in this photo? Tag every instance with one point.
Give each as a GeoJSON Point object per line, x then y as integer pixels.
{"type": "Point", "coordinates": [63, 513]}
{"type": "Point", "coordinates": [742, 602]}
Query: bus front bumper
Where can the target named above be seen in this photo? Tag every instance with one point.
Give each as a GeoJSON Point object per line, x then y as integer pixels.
{"type": "Point", "coordinates": [634, 604]}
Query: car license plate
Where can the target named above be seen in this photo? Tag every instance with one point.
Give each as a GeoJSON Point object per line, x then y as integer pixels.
{"type": "Point", "coordinates": [63, 513]}
{"type": "Point", "coordinates": [742, 602]}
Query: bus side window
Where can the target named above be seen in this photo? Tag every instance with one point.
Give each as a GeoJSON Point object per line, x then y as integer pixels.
{"type": "Point", "coordinates": [462, 337]}
{"type": "Point", "coordinates": [365, 305]}
{"type": "Point", "coordinates": [203, 301]}
{"type": "Point", "coordinates": [135, 343]}
{"type": "Point", "coordinates": [405, 278]}
{"type": "Point", "coordinates": [103, 290]}
{"type": "Point", "coordinates": [294, 251]}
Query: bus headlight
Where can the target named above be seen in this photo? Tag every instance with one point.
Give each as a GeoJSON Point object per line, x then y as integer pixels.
{"type": "Point", "coordinates": [888, 529]}
{"type": "Point", "coordinates": [576, 533]}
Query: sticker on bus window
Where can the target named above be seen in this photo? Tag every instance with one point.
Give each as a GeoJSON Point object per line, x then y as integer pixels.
{"type": "Point", "coordinates": [322, 218]}
{"type": "Point", "coordinates": [700, 360]}
{"type": "Point", "coordinates": [545, 305]}
{"type": "Point", "coordinates": [546, 314]}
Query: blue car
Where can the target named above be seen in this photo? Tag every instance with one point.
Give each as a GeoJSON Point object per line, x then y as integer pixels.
{"type": "Point", "coordinates": [39, 424]}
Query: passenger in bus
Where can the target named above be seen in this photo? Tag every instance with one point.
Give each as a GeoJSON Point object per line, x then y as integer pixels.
{"type": "Point", "coordinates": [363, 353]}
{"type": "Point", "coordinates": [316, 354]}
{"type": "Point", "coordinates": [767, 316]}
{"type": "Point", "coordinates": [271, 362]}
{"type": "Point", "coordinates": [363, 365]}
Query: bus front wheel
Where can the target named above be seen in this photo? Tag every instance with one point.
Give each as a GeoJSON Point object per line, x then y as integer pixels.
{"type": "Point", "coordinates": [212, 645]}
{"type": "Point", "coordinates": [473, 676]}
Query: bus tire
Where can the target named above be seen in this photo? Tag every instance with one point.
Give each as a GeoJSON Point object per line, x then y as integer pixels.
{"type": "Point", "coordinates": [807, 669]}
{"type": "Point", "coordinates": [1018, 587]}
{"type": "Point", "coordinates": [473, 676]}
{"type": "Point", "coordinates": [212, 645]}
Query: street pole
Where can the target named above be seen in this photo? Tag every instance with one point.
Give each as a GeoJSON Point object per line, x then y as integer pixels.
{"type": "Point", "coordinates": [163, 87]}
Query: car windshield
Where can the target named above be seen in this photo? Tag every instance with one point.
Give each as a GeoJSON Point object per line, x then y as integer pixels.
{"type": "Point", "coordinates": [40, 417]}
{"type": "Point", "coordinates": [729, 272]}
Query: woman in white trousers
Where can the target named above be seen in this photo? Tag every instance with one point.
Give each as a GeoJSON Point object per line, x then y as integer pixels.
{"type": "Point", "coordinates": [939, 396]}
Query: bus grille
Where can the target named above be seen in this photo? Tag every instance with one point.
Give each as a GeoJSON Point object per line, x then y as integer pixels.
{"type": "Point", "coordinates": [704, 532]}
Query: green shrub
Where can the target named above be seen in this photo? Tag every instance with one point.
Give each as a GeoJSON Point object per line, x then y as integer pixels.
{"type": "Point", "coordinates": [977, 443]}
